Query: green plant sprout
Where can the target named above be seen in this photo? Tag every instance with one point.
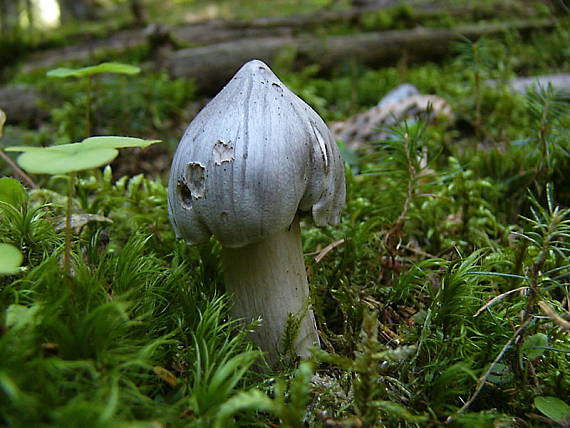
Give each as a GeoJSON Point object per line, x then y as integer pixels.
{"type": "Point", "coordinates": [89, 72]}
{"type": "Point", "coordinates": [547, 107]}
{"type": "Point", "coordinates": [481, 58]}
{"type": "Point", "coordinates": [549, 240]}
{"type": "Point", "coordinates": [90, 153]}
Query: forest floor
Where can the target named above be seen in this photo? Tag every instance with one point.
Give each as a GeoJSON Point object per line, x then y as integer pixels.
{"type": "Point", "coordinates": [442, 297]}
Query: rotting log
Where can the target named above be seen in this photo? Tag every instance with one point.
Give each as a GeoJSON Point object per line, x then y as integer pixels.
{"type": "Point", "coordinates": [218, 31]}
{"type": "Point", "coordinates": [213, 65]}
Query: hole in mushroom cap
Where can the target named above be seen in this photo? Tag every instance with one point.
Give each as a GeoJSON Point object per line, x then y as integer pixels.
{"type": "Point", "coordinates": [222, 152]}
{"type": "Point", "coordinates": [195, 180]}
{"type": "Point", "coordinates": [184, 195]}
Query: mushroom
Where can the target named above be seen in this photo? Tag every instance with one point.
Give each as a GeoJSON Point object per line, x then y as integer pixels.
{"type": "Point", "coordinates": [249, 165]}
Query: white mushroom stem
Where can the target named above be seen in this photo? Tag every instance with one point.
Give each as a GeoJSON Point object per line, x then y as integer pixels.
{"type": "Point", "coordinates": [268, 280]}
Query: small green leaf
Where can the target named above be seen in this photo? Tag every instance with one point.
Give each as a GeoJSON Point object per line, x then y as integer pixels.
{"type": "Point", "coordinates": [65, 161]}
{"type": "Point", "coordinates": [115, 142]}
{"type": "Point", "coordinates": [534, 345]}
{"type": "Point", "coordinates": [106, 67]}
{"type": "Point", "coordinates": [24, 149]}
{"type": "Point", "coordinates": [501, 374]}
{"type": "Point", "coordinates": [12, 192]}
{"type": "Point", "coordinates": [10, 259]}
{"type": "Point", "coordinates": [553, 407]}
{"type": "Point", "coordinates": [91, 153]}
{"type": "Point", "coordinates": [62, 72]}
{"type": "Point", "coordinates": [2, 121]}
{"type": "Point", "coordinates": [91, 143]}
{"type": "Point", "coordinates": [70, 147]}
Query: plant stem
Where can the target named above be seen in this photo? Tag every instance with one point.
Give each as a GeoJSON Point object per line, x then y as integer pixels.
{"type": "Point", "coordinates": [123, 105]}
{"type": "Point", "coordinates": [18, 171]}
{"type": "Point", "coordinates": [268, 280]}
{"type": "Point", "coordinates": [542, 134]}
{"type": "Point", "coordinates": [67, 252]}
{"type": "Point", "coordinates": [88, 107]}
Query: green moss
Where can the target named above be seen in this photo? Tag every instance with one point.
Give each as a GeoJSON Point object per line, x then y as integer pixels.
{"type": "Point", "coordinates": [447, 239]}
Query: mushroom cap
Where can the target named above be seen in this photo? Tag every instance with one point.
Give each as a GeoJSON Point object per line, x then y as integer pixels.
{"type": "Point", "coordinates": [250, 160]}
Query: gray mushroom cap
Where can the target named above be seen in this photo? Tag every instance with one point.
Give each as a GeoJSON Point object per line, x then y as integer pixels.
{"type": "Point", "coordinates": [250, 160]}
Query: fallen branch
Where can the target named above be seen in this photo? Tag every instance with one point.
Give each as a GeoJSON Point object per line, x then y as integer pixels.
{"type": "Point", "coordinates": [328, 249]}
{"type": "Point", "coordinates": [497, 298]}
{"type": "Point", "coordinates": [218, 30]}
{"type": "Point", "coordinates": [211, 66]}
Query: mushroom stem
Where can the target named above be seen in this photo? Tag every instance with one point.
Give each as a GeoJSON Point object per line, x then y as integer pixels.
{"type": "Point", "coordinates": [268, 280]}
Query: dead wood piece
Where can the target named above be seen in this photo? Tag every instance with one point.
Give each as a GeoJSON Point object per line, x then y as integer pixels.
{"type": "Point", "coordinates": [217, 31]}
{"type": "Point", "coordinates": [221, 31]}
{"type": "Point", "coordinates": [213, 65]}
{"type": "Point", "coordinates": [366, 127]}
{"type": "Point", "coordinates": [419, 44]}
{"type": "Point", "coordinates": [558, 81]}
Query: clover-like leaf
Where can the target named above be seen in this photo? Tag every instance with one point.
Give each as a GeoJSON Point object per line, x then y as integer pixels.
{"type": "Point", "coordinates": [116, 142]}
{"type": "Point", "coordinates": [92, 152]}
{"type": "Point", "coordinates": [65, 161]}
{"type": "Point", "coordinates": [105, 67]}
{"type": "Point", "coordinates": [534, 346]}
{"type": "Point", "coordinates": [12, 192]}
{"type": "Point", "coordinates": [553, 407]}
{"type": "Point", "coordinates": [10, 259]}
